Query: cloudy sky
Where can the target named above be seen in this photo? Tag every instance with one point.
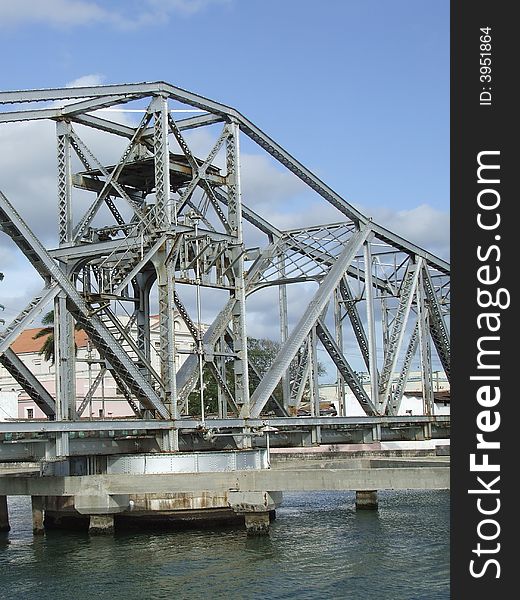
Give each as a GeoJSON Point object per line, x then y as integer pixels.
{"type": "Point", "coordinates": [357, 90]}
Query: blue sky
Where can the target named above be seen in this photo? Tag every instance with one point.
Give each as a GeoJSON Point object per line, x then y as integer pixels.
{"type": "Point", "coordinates": [357, 90]}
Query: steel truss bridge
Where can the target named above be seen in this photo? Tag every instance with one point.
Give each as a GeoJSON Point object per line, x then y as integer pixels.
{"type": "Point", "coordinates": [160, 219]}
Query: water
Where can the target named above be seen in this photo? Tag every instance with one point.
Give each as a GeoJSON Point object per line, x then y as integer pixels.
{"type": "Point", "coordinates": [319, 548]}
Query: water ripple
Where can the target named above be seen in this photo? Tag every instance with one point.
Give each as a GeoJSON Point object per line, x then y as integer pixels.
{"type": "Point", "coordinates": [320, 548]}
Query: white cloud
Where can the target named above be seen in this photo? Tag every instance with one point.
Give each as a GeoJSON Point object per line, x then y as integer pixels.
{"type": "Point", "coordinates": [52, 12]}
{"type": "Point", "coordinates": [185, 7]}
{"type": "Point", "coordinates": [27, 173]}
{"type": "Point", "coordinates": [423, 225]}
{"type": "Point", "coordinates": [265, 186]}
{"type": "Point", "coordinates": [76, 13]}
{"type": "Point", "coordinates": [87, 81]}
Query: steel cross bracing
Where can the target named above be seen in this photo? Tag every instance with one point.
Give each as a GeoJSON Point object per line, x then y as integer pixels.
{"type": "Point", "coordinates": [166, 226]}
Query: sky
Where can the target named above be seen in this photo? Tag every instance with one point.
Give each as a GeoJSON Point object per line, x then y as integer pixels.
{"type": "Point", "coordinates": [356, 90]}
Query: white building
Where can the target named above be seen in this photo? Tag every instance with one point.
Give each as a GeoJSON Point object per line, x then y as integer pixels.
{"type": "Point", "coordinates": [8, 405]}
{"type": "Point", "coordinates": [411, 404]}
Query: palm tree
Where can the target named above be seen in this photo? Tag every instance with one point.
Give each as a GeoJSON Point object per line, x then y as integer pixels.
{"type": "Point", "coordinates": [47, 349]}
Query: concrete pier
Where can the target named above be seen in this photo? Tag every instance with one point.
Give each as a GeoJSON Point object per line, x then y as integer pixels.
{"type": "Point", "coordinates": [4, 514]}
{"type": "Point", "coordinates": [257, 523]}
{"type": "Point", "coordinates": [256, 507]}
{"type": "Point", "coordinates": [366, 500]}
{"type": "Point", "coordinates": [137, 490]}
{"type": "Point", "coordinates": [37, 505]}
{"type": "Point", "coordinates": [101, 524]}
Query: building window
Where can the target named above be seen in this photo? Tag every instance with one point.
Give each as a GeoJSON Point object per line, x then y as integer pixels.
{"type": "Point", "coordinates": [30, 413]}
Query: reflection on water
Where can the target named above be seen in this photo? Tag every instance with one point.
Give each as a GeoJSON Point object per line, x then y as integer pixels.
{"type": "Point", "coordinates": [319, 548]}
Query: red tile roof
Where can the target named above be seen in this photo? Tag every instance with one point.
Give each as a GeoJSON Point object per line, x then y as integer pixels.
{"type": "Point", "coordinates": [25, 343]}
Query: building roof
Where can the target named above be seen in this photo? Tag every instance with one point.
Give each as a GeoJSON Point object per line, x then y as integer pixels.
{"type": "Point", "coordinates": [438, 396]}
{"type": "Point", "coordinates": [25, 343]}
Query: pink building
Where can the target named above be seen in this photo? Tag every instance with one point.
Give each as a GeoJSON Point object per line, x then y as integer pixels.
{"type": "Point", "coordinates": [107, 401]}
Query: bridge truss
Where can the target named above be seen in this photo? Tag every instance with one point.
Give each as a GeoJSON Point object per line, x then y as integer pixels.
{"type": "Point", "coordinates": [161, 219]}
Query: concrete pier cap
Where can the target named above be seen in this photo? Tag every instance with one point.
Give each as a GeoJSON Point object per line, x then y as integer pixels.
{"type": "Point", "coordinates": [101, 504]}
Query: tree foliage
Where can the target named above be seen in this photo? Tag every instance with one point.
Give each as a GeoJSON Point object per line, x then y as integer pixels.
{"type": "Point", "coordinates": [47, 332]}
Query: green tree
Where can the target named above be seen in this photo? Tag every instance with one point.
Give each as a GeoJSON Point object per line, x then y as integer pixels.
{"type": "Point", "coordinates": [210, 393]}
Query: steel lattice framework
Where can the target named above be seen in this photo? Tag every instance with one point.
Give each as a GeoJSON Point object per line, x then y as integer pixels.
{"type": "Point", "coordinates": [173, 219]}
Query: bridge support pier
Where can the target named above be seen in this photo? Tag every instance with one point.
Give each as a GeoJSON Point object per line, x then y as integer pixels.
{"type": "Point", "coordinates": [257, 508]}
{"type": "Point", "coordinates": [101, 524]}
{"type": "Point", "coordinates": [4, 514]}
{"type": "Point", "coordinates": [257, 523]}
{"type": "Point", "coordinates": [37, 506]}
{"type": "Point", "coordinates": [366, 500]}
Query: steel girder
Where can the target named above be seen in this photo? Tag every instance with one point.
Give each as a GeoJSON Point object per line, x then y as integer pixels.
{"type": "Point", "coordinates": [177, 219]}
{"type": "Point", "coordinates": [109, 346]}
{"type": "Point", "coordinates": [18, 369]}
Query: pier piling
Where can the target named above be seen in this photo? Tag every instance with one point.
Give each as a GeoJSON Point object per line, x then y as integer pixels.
{"type": "Point", "coordinates": [4, 514]}
{"type": "Point", "coordinates": [257, 523]}
{"type": "Point", "coordinates": [37, 514]}
{"type": "Point", "coordinates": [101, 524]}
{"type": "Point", "coordinates": [366, 500]}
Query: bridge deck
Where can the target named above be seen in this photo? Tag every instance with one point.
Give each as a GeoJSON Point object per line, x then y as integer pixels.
{"type": "Point", "coordinates": [370, 475]}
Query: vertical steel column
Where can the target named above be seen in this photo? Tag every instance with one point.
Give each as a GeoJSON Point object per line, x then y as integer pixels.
{"type": "Point", "coordinates": [142, 284]}
{"type": "Point", "coordinates": [65, 372]}
{"type": "Point", "coordinates": [64, 343]}
{"type": "Point", "coordinates": [371, 334]}
{"type": "Point", "coordinates": [165, 286]}
{"type": "Point", "coordinates": [64, 357]}
{"type": "Point", "coordinates": [142, 287]}
{"type": "Point", "coordinates": [164, 266]}
{"type": "Point", "coordinates": [338, 325]}
{"type": "Point", "coordinates": [237, 260]}
{"type": "Point", "coordinates": [384, 320]}
{"type": "Point", "coordinates": [284, 329]}
{"type": "Point", "coordinates": [425, 348]}
{"type": "Point", "coordinates": [313, 379]}
{"type": "Point", "coordinates": [221, 367]}
{"type": "Point", "coordinates": [163, 207]}
{"type": "Point", "coordinates": [63, 129]}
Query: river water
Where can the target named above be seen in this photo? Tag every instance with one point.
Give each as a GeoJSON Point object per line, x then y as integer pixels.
{"type": "Point", "coordinates": [319, 548]}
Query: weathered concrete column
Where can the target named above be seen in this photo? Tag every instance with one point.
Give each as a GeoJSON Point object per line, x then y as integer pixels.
{"type": "Point", "coordinates": [37, 515]}
{"type": "Point", "coordinates": [257, 523]}
{"type": "Point", "coordinates": [366, 500]}
{"type": "Point", "coordinates": [4, 514]}
{"type": "Point", "coordinates": [101, 524]}
{"type": "Point", "coordinates": [256, 507]}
